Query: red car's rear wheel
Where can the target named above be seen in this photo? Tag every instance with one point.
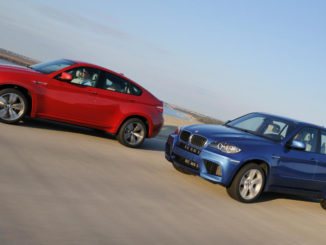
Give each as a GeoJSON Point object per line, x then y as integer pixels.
{"type": "Point", "coordinates": [132, 133]}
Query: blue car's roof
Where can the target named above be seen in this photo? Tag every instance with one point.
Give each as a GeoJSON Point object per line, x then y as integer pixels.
{"type": "Point", "coordinates": [290, 119]}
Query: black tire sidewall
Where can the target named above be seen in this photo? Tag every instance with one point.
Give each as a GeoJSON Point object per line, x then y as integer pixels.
{"type": "Point", "coordinates": [15, 91]}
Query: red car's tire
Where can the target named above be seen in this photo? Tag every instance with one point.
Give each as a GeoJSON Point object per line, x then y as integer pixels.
{"type": "Point", "coordinates": [13, 105]}
{"type": "Point", "coordinates": [132, 133]}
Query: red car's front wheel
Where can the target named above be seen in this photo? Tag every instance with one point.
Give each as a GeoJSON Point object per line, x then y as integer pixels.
{"type": "Point", "coordinates": [13, 105]}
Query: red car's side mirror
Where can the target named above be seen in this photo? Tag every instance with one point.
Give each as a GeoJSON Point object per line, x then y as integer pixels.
{"type": "Point", "coordinates": [64, 76]}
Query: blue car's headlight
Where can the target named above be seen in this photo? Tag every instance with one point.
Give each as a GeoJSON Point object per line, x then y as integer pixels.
{"type": "Point", "coordinates": [225, 147]}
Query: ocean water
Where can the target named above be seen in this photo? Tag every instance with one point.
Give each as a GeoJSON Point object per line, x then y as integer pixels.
{"type": "Point", "coordinates": [175, 113]}
{"type": "Point", "coordinates": [5, 62]}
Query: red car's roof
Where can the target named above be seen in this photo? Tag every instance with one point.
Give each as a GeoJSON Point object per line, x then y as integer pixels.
{"type": "Point", "coordinates": [78, 62]}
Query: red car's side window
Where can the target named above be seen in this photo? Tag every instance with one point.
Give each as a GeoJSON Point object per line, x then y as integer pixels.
{"type": "Point", "coordinates": [118, 84]}
{"type": "Point", "coordinates": [84, 76]}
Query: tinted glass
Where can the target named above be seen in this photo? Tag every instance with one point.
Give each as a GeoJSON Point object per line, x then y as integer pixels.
{"type": "Point", "coordinates": [53, 66]}
{"type": "Point", "coordinates": [115, 83]}
{"type": "Point", "coordinates": [118, 84]}
{"type": "Point", "coordinates": [263, 125]}
{"type": "Point", "coordinates": [84, 76]}
{"type": "Point", "coordinates": [134, 90]}
{"type": "Point", "coordinates": [309, 137]}
{"type": "Point", "coordinates": [323, 143]}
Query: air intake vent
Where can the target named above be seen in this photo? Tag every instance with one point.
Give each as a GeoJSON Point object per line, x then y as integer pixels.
{"type": "Point", "coordinates": [213, 168]}
{"type": "Point", "coordinates": [184, 135]}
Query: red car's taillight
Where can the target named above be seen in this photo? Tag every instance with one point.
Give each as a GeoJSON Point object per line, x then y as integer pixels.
{"type": "Point", "coordinates": [177, 131]}
{"type": "Point", "coordinates": [160, 108]}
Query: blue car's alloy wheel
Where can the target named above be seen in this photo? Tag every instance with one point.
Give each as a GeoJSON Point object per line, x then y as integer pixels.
{"type": "Point", "coordinates": [248, 183]}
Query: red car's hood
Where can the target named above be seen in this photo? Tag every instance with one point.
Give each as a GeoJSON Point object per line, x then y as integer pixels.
{"type": "Point", "coordinates": [17, 69]}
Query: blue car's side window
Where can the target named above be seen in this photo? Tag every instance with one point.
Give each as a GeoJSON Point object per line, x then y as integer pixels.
{"type": "Point", "coordinates": [309, 137]}
{"type": "Point", "coordinates": [323, 143]}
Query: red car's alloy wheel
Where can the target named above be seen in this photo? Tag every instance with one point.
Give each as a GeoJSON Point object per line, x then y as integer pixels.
{"type": "Point", "coordinates": [13, 105]}
{"type": "Point", "coordinates": [132, 132]}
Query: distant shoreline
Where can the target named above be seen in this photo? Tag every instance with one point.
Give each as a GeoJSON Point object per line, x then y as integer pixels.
{"type": "Point", "coordinates": [15, 58]}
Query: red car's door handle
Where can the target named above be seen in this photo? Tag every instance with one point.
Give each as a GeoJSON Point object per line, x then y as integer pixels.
{"type": "Point", "coordinates": [41, 83]}
{"type": "Point", "coordinates": [92, 92]}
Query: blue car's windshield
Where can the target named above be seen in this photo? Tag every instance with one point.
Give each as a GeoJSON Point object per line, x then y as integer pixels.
{"type": "Point", "coordinates": [269, 127]}
{"type": "Point", "coordinates": [53, 66]}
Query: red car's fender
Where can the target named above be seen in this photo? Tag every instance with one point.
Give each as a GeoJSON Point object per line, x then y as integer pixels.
{"type": "Point", "coordinates": [24, 86]}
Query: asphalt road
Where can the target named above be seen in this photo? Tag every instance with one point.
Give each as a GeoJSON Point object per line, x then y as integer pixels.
{"type": "Point", "coordinates": [68, 185]}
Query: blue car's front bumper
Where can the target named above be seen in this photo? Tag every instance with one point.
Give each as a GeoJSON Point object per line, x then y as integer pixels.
{"type": "Point", "coordinates": [203, 162]}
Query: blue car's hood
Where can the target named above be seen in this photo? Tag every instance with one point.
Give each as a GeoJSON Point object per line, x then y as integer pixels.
{"type": "Point", "coordinates": [219, 132]}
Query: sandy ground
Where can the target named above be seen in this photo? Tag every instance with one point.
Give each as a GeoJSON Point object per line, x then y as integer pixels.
{"type": "Point", "coordinates": [68, 185]}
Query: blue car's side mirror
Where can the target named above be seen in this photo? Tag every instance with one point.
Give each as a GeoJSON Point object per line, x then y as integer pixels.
{"type": "Point", "coordinates": [297, 145]}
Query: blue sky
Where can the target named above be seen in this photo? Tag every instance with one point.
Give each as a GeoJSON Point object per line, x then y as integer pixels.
{"type": "Point", "coordinates": [220, 58]}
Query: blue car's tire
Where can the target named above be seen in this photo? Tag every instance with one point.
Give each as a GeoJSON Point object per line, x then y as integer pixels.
{"type": "Point", "coordinates": [323, 203]}
{"type": "Point", "coordinates": [248, 184]}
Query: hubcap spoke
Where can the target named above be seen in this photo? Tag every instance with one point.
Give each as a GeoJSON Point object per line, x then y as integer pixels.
{"type": "Point", "coordinates": [12, 114]}
{"type": "Point", "coordinates": [133, 139]}
{"type": "Point", "coordinates": [18, 106]}
{"type": "Point", "coordinates": [138, 128]}
{"type": "Point", "coordinates": [257, 181]}
{"type": "Point", "coordinates": [3, 102]}
{"type": "Point", "coordinates": [244, 191]}
{"type": "Point", "coordinates": [138, 135]}
{"type": "Point", "coordinates": [252, 191]}
{"type": "Point", "coordinates": [3, 113]}
{"type": "Point", "coordinates": [12, 98]}
{"type": "Point", "coordinates": [252, 174]}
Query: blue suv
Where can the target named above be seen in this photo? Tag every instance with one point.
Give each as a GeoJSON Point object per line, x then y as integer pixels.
{"type": "Point", "coordinates": [254, 153]}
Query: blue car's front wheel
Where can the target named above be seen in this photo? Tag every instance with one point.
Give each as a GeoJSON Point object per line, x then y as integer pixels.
{"type": "Point", "coordinates": [248, 184]}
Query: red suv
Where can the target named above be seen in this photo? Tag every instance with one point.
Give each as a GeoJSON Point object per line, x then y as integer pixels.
{"type": "Point", "coordinates": [82, 94]}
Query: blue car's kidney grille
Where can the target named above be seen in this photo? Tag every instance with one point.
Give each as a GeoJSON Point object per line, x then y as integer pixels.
{"type": "Point", "coordinates": [185, 135]}
{"type": "Point", "coordinates": [198, 140]}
